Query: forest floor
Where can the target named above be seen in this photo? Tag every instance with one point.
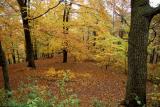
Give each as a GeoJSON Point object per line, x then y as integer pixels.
{"type": "Point", "coordinates": [90, 81]}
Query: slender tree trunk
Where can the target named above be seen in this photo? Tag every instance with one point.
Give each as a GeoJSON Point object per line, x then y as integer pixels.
{"type": "Point", "coordinates": [29, 46]}
{"type": "Point", "coordinates": [13, 51]}
{"type": "Point", "coordinates": [18, 58]}
{"type": "Point", "coordinates": [4, 69]}
{"type": "Point", "coordinates": [94, 39]}
{"type": "Point", "coordinates": [9, 61]}
{"type": "Point", "coordinates": [35, 50]}
{"type": "Point", "coordinates": [64, 56]}
{"type": "Point", "coordinates": [154, 56]}
{"type": "Point", "coordinates": [156, 60]}
{"type": "Point", "coordinates": [121, 31]}
{"type": "Point", "coordinates": [65, 30]}
{"type": "Point", "coordinates": [113, 17]}
{"type": "Point", "coordinates": [13, 56]}
{"type": "Point", "coordinates": [0, 63]}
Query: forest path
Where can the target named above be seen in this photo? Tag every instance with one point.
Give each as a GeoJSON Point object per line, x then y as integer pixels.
{"type": "Point", "coordinates": [89, 81]}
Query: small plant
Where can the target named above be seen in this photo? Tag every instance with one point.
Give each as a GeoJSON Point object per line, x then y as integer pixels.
{"type": "Point", "coordinates": [69, 100]}
{"type": "Point", "coordinates": [35, 95]}
{"type": "Point", "coordinates": [2, 97]}
{"type": "Point", "coordinates": [99, 103]}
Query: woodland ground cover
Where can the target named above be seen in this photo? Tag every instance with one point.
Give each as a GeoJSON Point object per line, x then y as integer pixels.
{"type": "Point", "coordinates": [93, 85]}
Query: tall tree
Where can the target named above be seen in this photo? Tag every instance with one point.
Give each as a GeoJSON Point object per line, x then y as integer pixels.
{"type": "Point", "coordinates": [141, 16]}
{"type": "Point", "coordinates": [23, 4]}
{"type": "Point", "coordinates": [4, 69]}
{"type": "Point", "coordinates": [65, 28]}
{"type": "Point", "coordinates": [4, 65]}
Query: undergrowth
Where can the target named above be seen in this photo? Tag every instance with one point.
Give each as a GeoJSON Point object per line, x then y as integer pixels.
{"type": "Point", "coordinates": [35, 95]}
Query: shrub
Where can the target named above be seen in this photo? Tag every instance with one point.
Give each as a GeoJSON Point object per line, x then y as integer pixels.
{"type": "Point", "coordinates": [33, 95]}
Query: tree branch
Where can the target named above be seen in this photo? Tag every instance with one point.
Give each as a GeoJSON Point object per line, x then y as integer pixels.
{"type": "Point", "coordinates": [47, 11]}
{"type": "Point", "coordinates": [12, 6]}
{"type": "Point", "coordinates": [152, 11]}
{"type": "Point", "coordinates": [80, 5]}
{"type": "Point", "coordinates": [156, 11]}
{"type": "Point", "coordinates": [123, 18]}
{"type": "Point", "coordinates": [20, 2]}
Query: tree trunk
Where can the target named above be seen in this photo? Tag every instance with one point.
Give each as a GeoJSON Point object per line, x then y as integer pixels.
{"type": "Point", "coordinates": [152, 56]}
{"type": "Point", "coordinates": [156, 58]}
{"type": "Point", "coordinates": [94, 39]}
{"type": "Point", "coordinates": [65, 29]}
{"type": "Point", "coordinates": [18, 58]}
{"type": "Point", "coordinates": [64, 56]}
{"type": "Point", "coordinates": [29, 46]}
{"type": "Point", "coordinates": [113, 17]}
{"type": "Point", "coordinates": [9, 61]}
{"type": "Point", "coordinates": [13, 56]}
{"type": "Point", "coordinates": [0, 63]}
{"type": "Point", "coordinates": [137, 56]}
{"type": "Point", "coordinates": [65, 32]}
{"type": "Point", "coordinates": [35, 50]}
{"type": "Point", "coordinates": [4, 69]}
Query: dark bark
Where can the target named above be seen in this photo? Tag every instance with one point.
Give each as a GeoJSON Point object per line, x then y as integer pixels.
{"type": "Point", "coordinates": [65, 30]}
{"type": "Point", "coordinates": [122, 31]}
{"type": "Point", "coordinates": [13, 56]}
{"type": "Point", "coordinates": [141, 15]}
{"type": "Point", "coordinates": [48, 55]}
{"type": "Point", "coordinates": [4, 69]}
{"type": "Point", "coordinates": [94, 40]}
{"type": "Point", "coordinates": [113, 17]}
{"type": "Point", "coordinates": [9, 61]}
{"type": "Point", "coordinates": [29, 46]}
{"type": "Point", "coordinates": [13, 52]}
{"type": "Point", "coordinates": [64, 56]}
{"type": "Point", "coordinates": [157, 58]}
{"type": "Point", "coordinates": [0, 63]}
{"type": "Point", "coordinates": [35, 50]}
{"type": "Point", "coordinates": [18, 58]}
{"type": "Point", "coordinates": [43, 55]}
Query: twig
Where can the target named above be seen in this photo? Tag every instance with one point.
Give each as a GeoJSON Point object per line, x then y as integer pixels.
{"type": "Point", "coordinates": [47, 10]}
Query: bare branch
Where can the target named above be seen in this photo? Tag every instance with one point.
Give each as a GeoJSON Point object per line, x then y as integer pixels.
{"type": "Point", "coordinates": [123, 18]}
{"type": "Point", "coordinates": [12, 6]}
{"type": "Point", "coordinates": [80, 5]}
{"type": "Point", "coordinates": [47, 11]}
{"type": "Point", "coordinates": [20, 2]}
